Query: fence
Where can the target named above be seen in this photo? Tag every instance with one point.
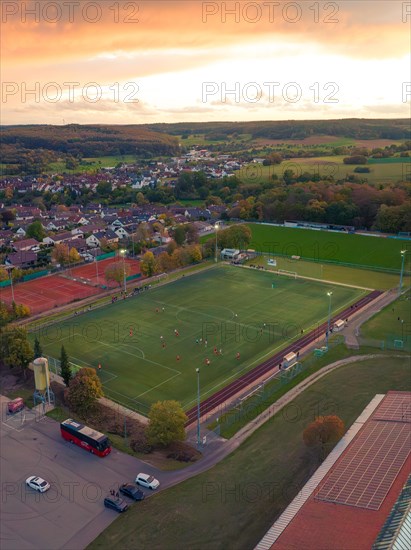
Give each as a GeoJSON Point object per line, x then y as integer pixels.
{"type": "Point", "coordinates": [105, 256]}
{"type": "Point", "coordinates": [399, 342]}
{"type": "Point", "coordinates": [259, 398]}
{"type": "Point", "coordinates": [5, 283]}
{"type": "Point", "coordinates": [35, 275]}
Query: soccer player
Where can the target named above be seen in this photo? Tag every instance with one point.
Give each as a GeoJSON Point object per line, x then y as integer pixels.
{"type": "Point", "coordinates": [237, 355]}
{"type": "Point", "coordinates": [177, 358]}
{"type": "Point", "coordinates": [131, 331]}
{"type": "Point", "coordinates": [207, 361]}
{"type": "Point", "coordinates": [99, 366]}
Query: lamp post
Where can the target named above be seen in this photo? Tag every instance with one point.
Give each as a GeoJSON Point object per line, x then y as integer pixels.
{"type": "Point", "coordinates": [402, 270]}
{"type": "Point", "coordinates": [216, 229]}
{"type": "Point", "coordinates": [11, 283]}
{"type": "Point", "coordinates": [329, 294]}
{"type": "Point", "coordinates": [123, 253]}
{"type": "Point", "coordinates": [198, 408]}
{"type": "Point", "coordinates": [95, 259]}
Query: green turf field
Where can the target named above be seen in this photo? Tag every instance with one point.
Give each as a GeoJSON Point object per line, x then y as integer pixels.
{"type": "Point", "coordinates": [227, 305]}
{"type": "Point", "coordinates": [366, 278]}
{"type": "Point", "coordinates": [360, 250]}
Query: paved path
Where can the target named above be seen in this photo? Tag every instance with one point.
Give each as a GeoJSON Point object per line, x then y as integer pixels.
{"type": "Point", "coordinates": [353, 330]}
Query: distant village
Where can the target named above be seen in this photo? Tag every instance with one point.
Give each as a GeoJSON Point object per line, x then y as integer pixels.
{"type": "Point", "coordinates": [95, 228]}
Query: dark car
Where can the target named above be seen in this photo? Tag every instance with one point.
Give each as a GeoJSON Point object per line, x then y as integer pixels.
{"type": "Point", "coordinates": [130, 490]}
{"type": "Point", "coordinates": [115, 503]}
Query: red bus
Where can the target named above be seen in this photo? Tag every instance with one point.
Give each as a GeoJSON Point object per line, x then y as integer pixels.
{"type": "Point", "coordinates": [87, 438]}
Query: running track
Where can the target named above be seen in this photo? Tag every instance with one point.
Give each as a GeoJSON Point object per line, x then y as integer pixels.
{"type": "Point", "coordinates": [264, 368]}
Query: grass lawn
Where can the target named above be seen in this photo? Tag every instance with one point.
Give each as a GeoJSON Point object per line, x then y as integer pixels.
{"type": "Point", "coordinates": [357, 250]}
{"type": "Point", "coordinates": [339, 274]}
{"type": "Point", "coordinates": [386, 323]}
{"type": "Point", "coordinates": [228, 306]}
{"type": "Point", "coordinates": [233, 504]}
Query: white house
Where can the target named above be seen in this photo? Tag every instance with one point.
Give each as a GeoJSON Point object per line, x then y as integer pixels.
{"type": "Point", "coordinates": [92, 241]}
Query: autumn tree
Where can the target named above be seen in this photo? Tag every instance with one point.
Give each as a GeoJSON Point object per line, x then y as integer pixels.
{"type": "Point", "coordinates": [15, 348]}
{"type": "Point", "coordinates": [148, 264]}
{"type": "Point", "coordinates": [61, 253]}
{"type": "Point", "coordinates": [83, 391]}
{"type": "Point", "coordinates": [65, 369]}
{"type": "Point", "coordinates": [323, 431]}
{"type": "Point", "coordinates": [116, 271]}
{"type": "Point", "coordinates": [3, 274]}
{"type": "Point", "coordinates": [166, 423]}
{"type": "Point", "coordinates": [74, 256]}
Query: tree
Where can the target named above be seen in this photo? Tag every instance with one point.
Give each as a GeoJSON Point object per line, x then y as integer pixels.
{"type": "Point", "coordinates": [36, 231]}
{"type": "Point", "coordinates": [84, 390]}
{"type": "Point", "coordinates": [65, 370]}
{"type": "Point", "coordinates": [166, 423]}
{"type": "Point", "coordinates": [180, 235]}
{"type": "Point", "coordinates": [195, 253]}
{"type": "Point", "coordinates": [148, 264]}
{"type": "Point", "coordinates": [324, 430]}
{"type": "Point", "coordinates": [38, 351]}
{"type": "Point", "coordinates": [236, 236]}
{"type": "Point", "coordinates": [15, 348]}
{"type": "Point", "coordinates": [8, 216]}
{"type": "Point", "coordinates": [3, 274]}
{"type": "Point", "coordinates": [115, 272]}
{"type": "Point", "coordinates": [74, 256]}
{"type": "Point", "coordinates": [60, 253]}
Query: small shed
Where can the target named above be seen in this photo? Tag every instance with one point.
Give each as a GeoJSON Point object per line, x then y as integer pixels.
{"type": "Point", "coordinates": [338, 325]}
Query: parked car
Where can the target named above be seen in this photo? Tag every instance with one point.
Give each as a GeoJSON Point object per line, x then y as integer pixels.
{"type": "Point", "coordinates": [16, 405]}
{"type": "Point", "coordinates": [38, 484]}
{"type": "Point", "coordinates": [148, 481]}
{"type": "Point", "coordinates": [115, 503]}
{"type": "Point", "coordinates": [130, 490]}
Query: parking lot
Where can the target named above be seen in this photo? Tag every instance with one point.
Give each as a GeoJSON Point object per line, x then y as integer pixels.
{"type": "Point", "coordinates": [71, 514]}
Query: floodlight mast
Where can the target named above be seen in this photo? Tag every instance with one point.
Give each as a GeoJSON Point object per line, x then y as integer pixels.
{"type": "Point", "coordinates": [329, 294]}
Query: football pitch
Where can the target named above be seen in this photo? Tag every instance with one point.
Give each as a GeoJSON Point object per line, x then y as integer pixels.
{"type": "Point", "coordinates": [150, 345]}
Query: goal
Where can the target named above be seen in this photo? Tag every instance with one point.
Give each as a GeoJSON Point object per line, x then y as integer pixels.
{"type": "Point", "coordinates": [292, 274]}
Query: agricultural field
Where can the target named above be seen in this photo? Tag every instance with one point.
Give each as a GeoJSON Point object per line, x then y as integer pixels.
{"type": "Point", "coordinates": [354, 250]}
{"type": "Point", "coordinates": [380, 170]}
{"type": "Point", "coordinates": [143, 359]}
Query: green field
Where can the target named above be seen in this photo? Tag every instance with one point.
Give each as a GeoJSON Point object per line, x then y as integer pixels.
{"type": "Point", "coordinates": [227, 305]}
{"type": "Point", "coordinates": [394, 320]}
{"type": "Point", "coordinates": [326, 246]}
{"type": "Point", "coordinates": [337, 273]}
{"type": "Point", "coordinates": [381, 171]}
{"type": "Point", "coordinates": [252, 486]}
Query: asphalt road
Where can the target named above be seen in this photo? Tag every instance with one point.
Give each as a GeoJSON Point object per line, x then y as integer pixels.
{"type": "Point", "coordinates": [71, 514]}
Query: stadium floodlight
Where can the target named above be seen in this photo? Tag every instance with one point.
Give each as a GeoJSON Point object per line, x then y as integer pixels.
{"type": "Point", "coordinates": [329, 294]}
{"type": "Point", "coordinates": [10, 269]}
{"type": "Point", "coordinates": [403, 252]}
{"type": "Point", "coordinates": [216, 229]}
{"type": "Point", "coordinates": [123, 254]}
{"type": "Point", "coordinates": [198, 408]}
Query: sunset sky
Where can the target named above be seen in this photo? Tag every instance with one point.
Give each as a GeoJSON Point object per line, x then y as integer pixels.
{"type": "Point", "coordinates": [181, 60]}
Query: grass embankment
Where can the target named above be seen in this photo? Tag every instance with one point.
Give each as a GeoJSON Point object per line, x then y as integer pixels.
{"type": "Point", "coordinates": [252, 486]}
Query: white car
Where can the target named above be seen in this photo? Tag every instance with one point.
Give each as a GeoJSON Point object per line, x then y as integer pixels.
{"type": "Point", "coordinates": [38, 484]}
{"type": "Point", "coordinates": [147, 481]}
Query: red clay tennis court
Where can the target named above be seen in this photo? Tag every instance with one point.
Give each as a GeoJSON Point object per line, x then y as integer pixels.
{"type": "Point", "coordinates": [47, 292]}
{"type": "Point", "coordinates": [93, 273]}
